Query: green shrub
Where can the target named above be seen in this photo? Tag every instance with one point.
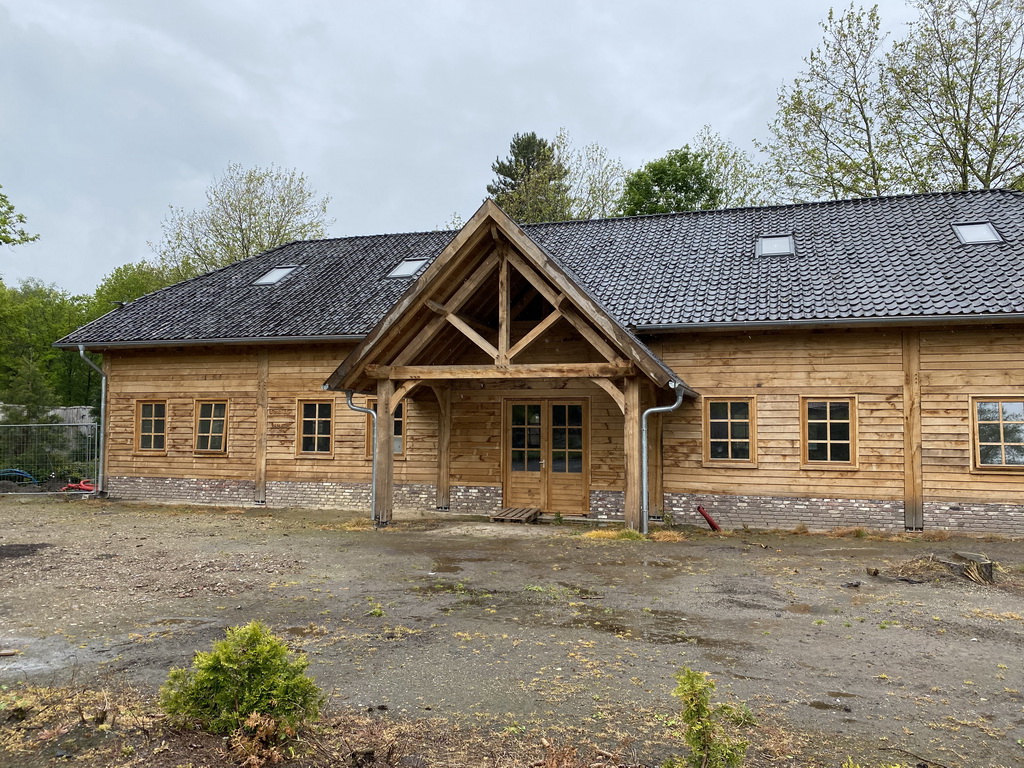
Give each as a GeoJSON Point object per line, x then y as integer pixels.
{"type": "Point", "coordinates": [250, 671]}
{"type": "Point", "coordinates": [710, 746]}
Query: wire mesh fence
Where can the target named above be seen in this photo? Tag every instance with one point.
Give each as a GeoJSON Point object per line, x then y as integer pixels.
{"type": "Point", "coordinates": [48, 458]}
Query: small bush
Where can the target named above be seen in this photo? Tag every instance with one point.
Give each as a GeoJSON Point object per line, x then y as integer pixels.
{"type": "Point", "coordinates": [250, 671]}
{"type": "Point", "coordinates": [710, 746]}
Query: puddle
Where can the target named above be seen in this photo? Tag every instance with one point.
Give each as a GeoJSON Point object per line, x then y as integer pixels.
{"type": "Point", "coordinates": [841, 695]}
{"type": "Point", "coordinates": [445, 565]}
{"type": "Point", "coordinates": [20, 550]}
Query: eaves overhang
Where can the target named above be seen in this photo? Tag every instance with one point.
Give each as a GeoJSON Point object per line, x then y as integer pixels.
{"type": "Point", "coordinates": [247, 340]}
{"type": "Point", "coordinates": [772, 325]}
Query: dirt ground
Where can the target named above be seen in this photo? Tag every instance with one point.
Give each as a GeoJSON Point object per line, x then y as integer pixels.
{"type": "Point", "coordinates": [535, 629]}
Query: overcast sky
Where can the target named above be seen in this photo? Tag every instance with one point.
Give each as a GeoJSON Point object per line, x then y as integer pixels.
{"type": "Point", "coordinates": [112, 110]}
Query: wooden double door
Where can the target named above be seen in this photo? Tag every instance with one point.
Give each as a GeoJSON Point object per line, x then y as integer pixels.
{"type": "Point", "coordinates": [546, 451]}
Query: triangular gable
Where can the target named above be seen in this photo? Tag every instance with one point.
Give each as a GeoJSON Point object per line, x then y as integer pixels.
{"type": "Point", "coordinates": [487, 254]}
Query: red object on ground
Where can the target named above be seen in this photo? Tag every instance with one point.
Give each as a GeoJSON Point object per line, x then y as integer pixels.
{"type": "Point", "coordinates": [85, 485]}
{"type": "Point", "coordinates": [709, 518]}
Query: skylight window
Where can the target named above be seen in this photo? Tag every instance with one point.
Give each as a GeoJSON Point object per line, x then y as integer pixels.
{"type": "Point", "coordinates": [408, 268]}
{"type": "Point", "coordinates": [775, 245]}
{"type": "Point", "coordinates": [977, 232]}
{"type": "Point", "coordinates": [276, 275]}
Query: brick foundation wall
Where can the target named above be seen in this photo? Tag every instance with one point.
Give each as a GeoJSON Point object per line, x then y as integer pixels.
{"type": "Point", "coordinates": [728, 511]}
{"type": "Point", "coordinates": [785, 512]}
{"type": "Point", "coordinates": [1003, 519]}
{"type": "Point", "coordinates": [171, 489]}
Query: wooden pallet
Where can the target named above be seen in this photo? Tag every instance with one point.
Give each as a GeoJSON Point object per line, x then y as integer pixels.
{"type": "Point", "coordinates": [515, 515]}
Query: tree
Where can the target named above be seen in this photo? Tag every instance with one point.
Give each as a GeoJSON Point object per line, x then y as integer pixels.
{"type": "Point", "coordinates": [679, 181]}
{"type": "Point", "coordinates": [127, 283]}
{"type": "Point", "coordinates": [247, 211]}
{"type": "Point", "coordinates": [942, 110]}
{"type": "Point", "coordinates": [531, 184]}
{"type": "Point", "coordinates": [11, 233]}
{"type": "Point", "coordinates": [595, 178]}
{"type": "Point", "coordinates": [829, 135]}
{"type": "Point", "coordinates": [958, 80]}
{"type": "Point", "coordinates": [743, 181]}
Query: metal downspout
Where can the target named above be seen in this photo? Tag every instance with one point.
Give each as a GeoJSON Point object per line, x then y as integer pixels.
{"type": "Point", "coordinates": [373, 451]}
{"type": "Point", "coordinates": [103, 417]}
{"type": "Point", "coordinates": [645, 489]}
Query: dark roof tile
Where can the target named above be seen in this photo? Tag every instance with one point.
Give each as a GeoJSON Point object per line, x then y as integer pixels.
{"type": "Point", "coordinates": [889, 257]}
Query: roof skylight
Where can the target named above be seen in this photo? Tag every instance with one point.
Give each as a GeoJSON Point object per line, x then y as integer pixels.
{"type": "Point", "coordinates": [407, 268]}
{"type": "Point", "coordinates": [775, 245]}
{"type": "Point", "coordinates": [276, 275]}
{"type": "Point", "coordinates": [974, 232]}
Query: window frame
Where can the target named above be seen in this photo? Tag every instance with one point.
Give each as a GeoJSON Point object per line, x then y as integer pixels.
{"type": "Point", "coordinates": [139, 405]}
{"type": "Point", "coordinates": [708, 460]}
{"type": "Point", "coordinates": [300, 423]}
{"type": "Point", "coordinates": [371, 402]}
{"type": "Point", "coordinates": [761, 252]}
{"type": "Point", "coordinates": [807, 463]}
{"type": "Point", "coordinates": [222, 451]}
{"type": "Point", "coordinates": [996, 237]}
{"type": "Point", "coordinates": [976, 465]}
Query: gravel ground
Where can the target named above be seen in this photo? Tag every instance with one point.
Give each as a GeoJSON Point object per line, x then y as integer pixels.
{"type": "Point", "coordinates": [517, 627]}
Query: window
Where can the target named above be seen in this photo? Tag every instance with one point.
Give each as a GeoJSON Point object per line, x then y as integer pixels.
{"type": "Point", "coordinates": [776, 245]}
{"type": "Point", "coordinates": [276, 275]}
{"type": "Point", "coordinates": [729, 430]}
{"type": "Point", "coordinates": [407, 268]}
{"type": "Point", "coordinates": [566, 437]}
{"type": "Point", "coordinates": [999, 433]}
{"type": "Point", "coordinates": [829, 431]}
{"type": "Point", "coordinates": [151, 425]}
{"type": "Point", "coordinates": [211, 427]}
{"type": "Point", "coordinates": [977, 232]}
{"type": "Point", "coordinates": [315, 427]}
{"type": "Point", "coordinates": [398, 434]}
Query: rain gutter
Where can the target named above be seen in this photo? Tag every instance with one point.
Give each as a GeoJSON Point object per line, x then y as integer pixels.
{"type": "Point", "coordinates": [373, 450]}
{"type": "Point", "coordinates": [831, 323]}
{"type": "Point", "coordinates": [224, 340]}
{"type": "Point", "coordinates": [644, 470]}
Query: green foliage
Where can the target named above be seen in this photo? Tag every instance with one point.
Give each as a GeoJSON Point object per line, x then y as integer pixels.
{"type": "Point", "coordinates": [11, 231]}
{"type": "Point", "coordinates": [679, 181]}
{"type": "Point", "coordinates": [710, 746]}
{"type": "Point", "coordinates": [33, 316]}
{"type": "Point", "coordinates": [941, 109]}
{"type": "Point", "coordinates": [531, 184]}
{"type": "Point", "coordinates": [247, 211]}
{"type": "Point", "coordinates": [742, 180]}
{"type": "Point", "coordinates": [127, 283]}
{"type": "Point", "coordinates": [251, 671]}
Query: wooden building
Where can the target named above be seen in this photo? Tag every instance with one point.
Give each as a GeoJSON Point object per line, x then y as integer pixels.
{"type": "Point", "coordinates": [854, 362]}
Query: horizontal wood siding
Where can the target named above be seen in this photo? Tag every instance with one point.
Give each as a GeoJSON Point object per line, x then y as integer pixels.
{"type": "Point", "coordinates": [777, 369]}
{"type": "Point", "coordinates": [956, 365]}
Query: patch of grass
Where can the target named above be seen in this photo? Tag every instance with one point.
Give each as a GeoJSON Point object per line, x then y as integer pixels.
{"type": "Point", "coordinates": [614, 534]}
{"type": "Point", "coordinates": [848, 532]}
{"type": "Point", "coordinates": [667, 535]}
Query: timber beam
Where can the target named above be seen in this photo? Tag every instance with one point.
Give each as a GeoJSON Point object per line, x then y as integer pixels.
{"type": "Point", "coordinates": [533, 371]}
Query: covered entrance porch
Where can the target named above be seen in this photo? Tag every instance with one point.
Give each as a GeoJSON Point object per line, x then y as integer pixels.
{"type": "Point", "coordinates": [497, 321]}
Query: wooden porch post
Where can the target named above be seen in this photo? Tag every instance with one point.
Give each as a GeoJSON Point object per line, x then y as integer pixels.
{"type": "Point", "coordinates": [444, 439]}
{"type": "Point", "coordinates": [384, 457]}
{"type": "Point", "coordinates": [913, 501]}
{"type": "Point", "coordinates": [631, 458]}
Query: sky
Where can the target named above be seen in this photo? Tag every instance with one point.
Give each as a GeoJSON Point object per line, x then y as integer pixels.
{"type": "Point", "coordinates": [113, 110]}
